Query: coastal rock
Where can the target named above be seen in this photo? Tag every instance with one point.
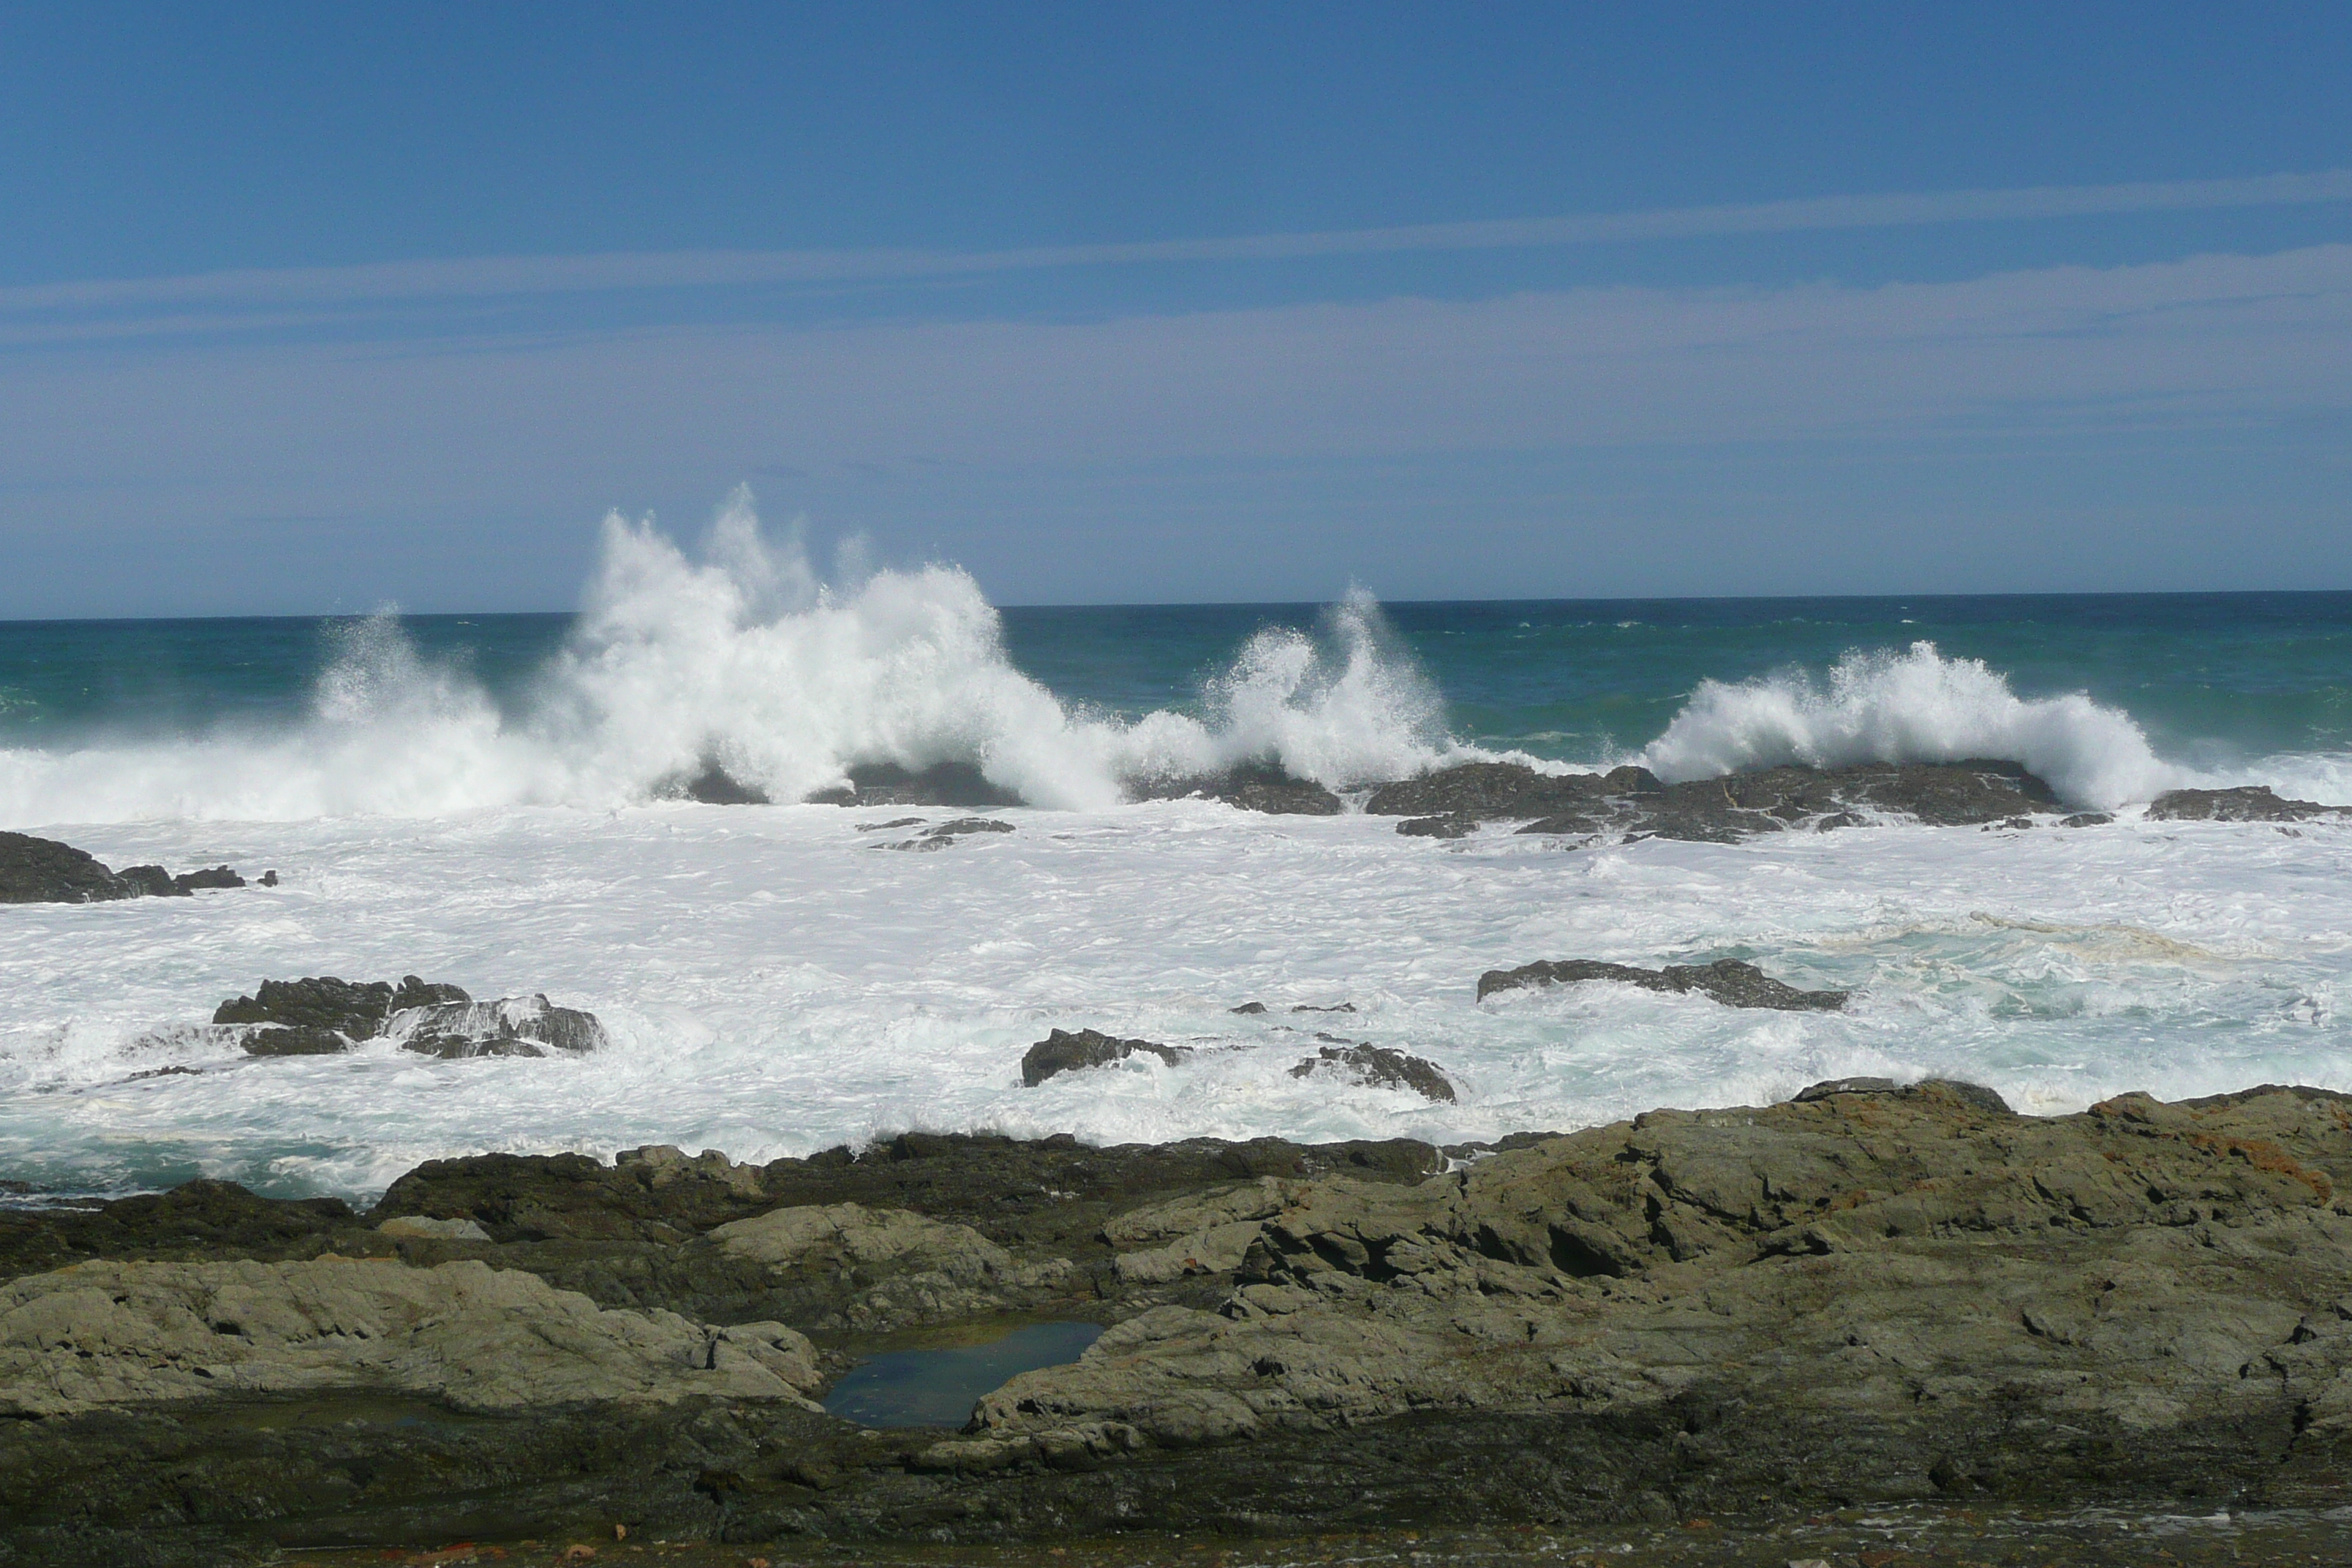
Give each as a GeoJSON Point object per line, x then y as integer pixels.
{"type": "Point", "coordinates": [1063, 1051]}
{"type": "Point", "coordinates": [2248, 803]}
{"type": "Point", "coordinates": [510, 1026]}
{"type": "Point", "coordinates": [1726, 980]}
{"type": "Point", "coordinates": [44, 871]}
{"type": "Point", "coordinates": [1379, 1065]}
{"type": "Point", "coordinates": [110, 1334]}
{"type": "Point", "coordinates": [1251, 787]}
{"type": "Point", "coordinates": [323, 1014]}
{"type": "Point", "coordinates": [942, 784]}
{"type": "Point", "coordinates": [1632, 803]}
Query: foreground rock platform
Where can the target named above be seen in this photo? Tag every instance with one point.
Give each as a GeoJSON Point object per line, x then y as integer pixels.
{"type": "Point", "coordinates": [1873, 1297]}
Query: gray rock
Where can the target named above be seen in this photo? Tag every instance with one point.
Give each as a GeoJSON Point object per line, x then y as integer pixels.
{"type": "Point", "coordinates": [1726, 980]}
{"type": "Point", "coordinates": [1379, 1066]}
{"type": "Point", "coordinates": [2248, 803]}
{"type": "Point", "coordinates": [510, 1026]}
{"type": "Point", "coordinates": [1456, 826]}
{"type": "Point", "coordinates": [323, 1013]}
{"type": "Point", "coordinates": [44, 871]}
{"type": "Point", "coordinates": [1065, 1051]}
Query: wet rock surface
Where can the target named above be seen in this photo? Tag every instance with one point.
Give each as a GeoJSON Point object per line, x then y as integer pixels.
{"type": "Point", "coordinates": [323, 1014]}
{"type": "Point", "coordinates": [1361, 1063]}
{"type": "Point", "coordinates": [1067, 1050]}
{"type": "Point", "coordinates": [2249, 802]}
{"type": "Point", "coordinates": [1874, 1297]}
{"type": "Point", "coordinates": [1726, 980]}
{"type": "Point", "coordinates": [1254, 786]}
{"type": "Point", "coordinates": [44, 871]}
{"type": "Point", "coordinates": [947, 833]}
{"type": "Point", "coordinates": [1630, 802]}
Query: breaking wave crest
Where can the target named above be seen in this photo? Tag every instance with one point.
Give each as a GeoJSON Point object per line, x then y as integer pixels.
{"type": "Point", "coordinates": [743, 657]}
{"type": "Point", "coordinates": [1915, 706]}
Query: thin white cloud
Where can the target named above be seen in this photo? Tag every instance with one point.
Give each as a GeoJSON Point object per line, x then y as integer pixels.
{"type": "Point", "coordinates": [514, 275]}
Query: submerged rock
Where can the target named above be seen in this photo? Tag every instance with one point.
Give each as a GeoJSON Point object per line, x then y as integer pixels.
{"type": "Point", "coordinates": [44, 871]}
{"type": "Point", "coordinates": [1063, 1051]}
{"type": "Point", "coordinates": [1726, 980]}
{"type": "Point", "coordinates": [2248, 803]}
{"type": "Point", "coordinates": [1379, 1065]}
{"type": "Point", "coordinates": [1453, 827]}
{"type": "Point", "coordinates": [942, 784]}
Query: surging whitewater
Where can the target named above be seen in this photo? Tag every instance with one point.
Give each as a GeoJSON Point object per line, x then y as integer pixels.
{"type": "Point", "coordinates": [745, 660]}
{"type": "Point", "coordinates": [771, 985]}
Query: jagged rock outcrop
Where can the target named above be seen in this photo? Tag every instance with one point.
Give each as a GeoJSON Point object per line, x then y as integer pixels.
{"type": "Point", "coordinates": [2248, 803]}
{"type": "Point", "coordinates": [1378, 1065]}
{"type": "Point", "coordinates": [44, 871]}
{"type": "Point", "coordinates": [1726, 980]}
{"type": "Point", "coordinates": [323, 1014]}
{"type": "Point", "coordinates": [1066, 1050]}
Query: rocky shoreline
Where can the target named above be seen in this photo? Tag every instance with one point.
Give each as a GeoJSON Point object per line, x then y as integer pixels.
{"type": "Point", "coordinates": [1868, 1297]}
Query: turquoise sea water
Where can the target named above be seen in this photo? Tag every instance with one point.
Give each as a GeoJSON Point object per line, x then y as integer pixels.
{"type": "Point", "coordinates": [2213, 679]}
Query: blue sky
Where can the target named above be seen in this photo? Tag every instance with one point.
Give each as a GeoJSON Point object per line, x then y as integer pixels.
{"type": "Point", "coordinates": [308, 307]}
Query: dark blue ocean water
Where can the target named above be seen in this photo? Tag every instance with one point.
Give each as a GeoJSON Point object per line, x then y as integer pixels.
{"type": "Point", "coordinates": [2211, 678]}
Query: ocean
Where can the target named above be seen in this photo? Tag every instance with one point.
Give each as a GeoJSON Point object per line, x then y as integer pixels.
{"type": "Point", "coordinates": [492, 801]}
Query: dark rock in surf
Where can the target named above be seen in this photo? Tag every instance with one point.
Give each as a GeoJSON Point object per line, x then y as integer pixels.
{"type": "Point", "coordinates": [44, 871]}
{"type": "Point", "coordinates": [1064, 1051]}
{"type": "Point", "coordinates": [1488, 791]}
{"type": "Point", "coordinates": [1379, 1065]}
{"type": "Point", "coordinates": [1250, 1008]}
{"type": "Point", "coordinates": [511, 1027]}
{"type": "Point", "coordinates": [2248, 803]}
{"type": "Point", "coordinates": [1630, 802]}
{"type": "Point", "coordinates": [942, 784]}
{"type": "Point", "coordinates": [2087, 819]}
{"type": "Point", "coordinates": [714, 786]}
{"type": "Point", "coordinates": [947, 833]}
{"type": "Point", "coordinates": [1252, 787]}
{"type": "Point", "coordinates": [323, 1014]}
{"type": "Point", "coordinates": [1726, 980]}
{"type": "Point", "coordinates": [1438, 826]}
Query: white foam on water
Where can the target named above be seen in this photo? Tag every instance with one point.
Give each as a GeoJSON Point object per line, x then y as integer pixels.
{"type": "Point", "coordinates": [773, 985]}
{"type": "Point", "coordinates": [1915, 706]}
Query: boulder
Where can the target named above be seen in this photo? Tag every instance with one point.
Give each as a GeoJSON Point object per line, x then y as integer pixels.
{"type": "Point", "coordinates": [322, 1014]}
{"type": "Point", "coordinates": [1379, 1065]}
{"type": "Point", "coordinates": [1063, 1051]}
{"type": "Point", "coordinates": [1726, 980]}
